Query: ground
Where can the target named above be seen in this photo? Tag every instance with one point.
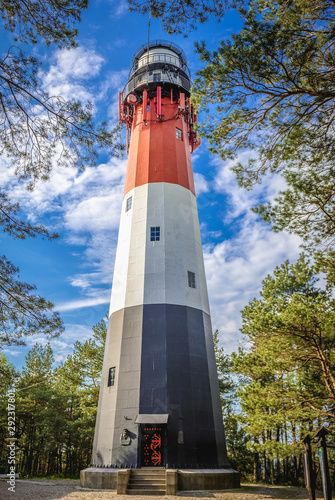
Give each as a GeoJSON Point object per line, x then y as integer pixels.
{"type": "Point", "coordinates": [44, 489]}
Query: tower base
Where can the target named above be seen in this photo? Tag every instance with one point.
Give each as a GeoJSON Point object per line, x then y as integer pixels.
{"type": "Point", "coordinates": [208, 479]}
{"type": "Point", "coordinates": [176, 479]}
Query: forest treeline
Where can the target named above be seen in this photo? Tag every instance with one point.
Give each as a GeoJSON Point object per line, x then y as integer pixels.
{"type": "Point", "coordinates": [275, 390]}
{"type": "Point", "coordinates": [279, 388]}
{"type": "Point", "coordinates": [55, 408]}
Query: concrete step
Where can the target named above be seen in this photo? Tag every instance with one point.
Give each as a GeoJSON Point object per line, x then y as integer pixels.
{"type": "Point", "coordinates": [150, 472]}
{"type": "Point", "coordinates": [147, 482]}
{"type": "Point", "coordinates": [148, 478]}
{"type": "Point", "coordinates": [146, 492]}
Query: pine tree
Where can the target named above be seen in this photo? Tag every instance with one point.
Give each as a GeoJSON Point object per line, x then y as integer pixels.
{"type": "Point", "coordinates": [288, 369]}
{"type": "Point", "coordinates": [55, 408]}
{"type": "Point", "coordinates": [239, 456]}
{"type": "Point", "coordinates": [78, 381]}
{"type": "Point", "coordinates": [184, 15]}
{"type": "Point", "coordinates": [38, 131]}
{"type": "Point", "coordinates": [273, 92]}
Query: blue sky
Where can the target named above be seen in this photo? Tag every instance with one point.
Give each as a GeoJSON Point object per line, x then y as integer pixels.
{"type": "Point", "coordinates": [75, 272]}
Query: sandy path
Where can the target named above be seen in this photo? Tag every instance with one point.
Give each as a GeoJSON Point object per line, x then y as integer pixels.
{"type": "Point", "coordinates": [44, 489]}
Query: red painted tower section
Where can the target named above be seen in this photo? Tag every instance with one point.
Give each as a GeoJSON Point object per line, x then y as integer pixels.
{"type": "Point", "coordinates": [154, 153]}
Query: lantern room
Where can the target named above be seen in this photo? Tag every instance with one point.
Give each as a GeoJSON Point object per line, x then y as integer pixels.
{"type": "Point", "coordinates": [158, 63]}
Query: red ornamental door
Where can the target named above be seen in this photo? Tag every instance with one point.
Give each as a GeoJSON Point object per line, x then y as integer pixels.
{"type": "Point", "coordinates": [152, 449]}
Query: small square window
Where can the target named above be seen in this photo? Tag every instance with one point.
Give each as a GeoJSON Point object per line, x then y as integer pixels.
{"type": "Point", "coordinates": [191, 279]}
{"type": "Point", "coordinates": [157, 77]}
{"type": "Point", "coordinates": [111, 376]}
{"type": "Point", "coordinates": [179, 134]}
{"type": "Point", "coordinates": [155, 233]}
{"type": "Point", "coordinates": [129, 203]}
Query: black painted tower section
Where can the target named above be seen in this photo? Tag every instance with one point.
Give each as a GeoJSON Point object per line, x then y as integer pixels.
{"type": "Point", "coordinates": [175, 379]}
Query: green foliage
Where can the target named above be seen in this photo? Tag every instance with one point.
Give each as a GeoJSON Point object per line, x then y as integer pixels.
{"type": "Point", "coordinates": [239, 456]}
{"type": "Point", "coordinates": [15, 227]}
{"type": "Point", "coordinates": [23, 313]}
{"type": "Point", "coordinates": [37, 132]}
{"type": "Point", "coordinates": [56, 408]}
{"type": "Point", "coordinates": [291, 328]}
{"type": "Point", "coordinates": [7, 373]}
{"type": "Point", "coordinates": [281, 387]}
{"type": "Point", "coordinates": [183, 15]}
{"type": "Point", "coordinates": [48, 19]}
{"type": "Point", "coordinates": [273, 90]}
{"type": "Point", "coordinates": [287, 383]}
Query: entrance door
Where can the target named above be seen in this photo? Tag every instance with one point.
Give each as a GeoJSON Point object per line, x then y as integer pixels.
{"type": "Point", "coordinates": [152, 445]}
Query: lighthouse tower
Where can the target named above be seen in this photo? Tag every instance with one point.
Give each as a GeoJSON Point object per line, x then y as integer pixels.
{"type": "Point", "coordinates": [159, 400]}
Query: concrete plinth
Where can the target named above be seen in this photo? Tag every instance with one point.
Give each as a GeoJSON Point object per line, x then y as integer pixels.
{"type": "Point", "coordinates": [99, 479]}
{"type": "Point", "coordinates": [176, 480]}
{"type": "Point", "coordinates": [208, 479]}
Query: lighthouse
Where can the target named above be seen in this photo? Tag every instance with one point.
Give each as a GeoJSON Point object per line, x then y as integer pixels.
{"type": "Point", "coordinates": [159, 403]}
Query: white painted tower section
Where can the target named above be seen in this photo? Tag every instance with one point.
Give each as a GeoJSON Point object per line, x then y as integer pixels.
{"type": "Point", "coordinates": [149, 272]}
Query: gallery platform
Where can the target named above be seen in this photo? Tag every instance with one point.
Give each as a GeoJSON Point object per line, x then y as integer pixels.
{"type": "Point", "coordinates": [158, 481]}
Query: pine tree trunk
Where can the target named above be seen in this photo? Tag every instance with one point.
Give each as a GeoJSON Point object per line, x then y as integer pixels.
{"type": "Point", "coordinates": [256, 467]}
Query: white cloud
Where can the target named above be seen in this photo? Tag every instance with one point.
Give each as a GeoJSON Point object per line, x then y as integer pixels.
{"type": "Point", "coordinates": [85, 209]}
{"type": "Point", "coordinates": [69, 187]}
{"type": "Point", "coordinates": [11, 352]}
{"type": "Point", "coordinates": [72, 72]}
{"type": "Point", "coordinates": [57, 84]}
{"type": "Point", "coordinates": [6, 171]}
{"type": "Point", "coordinates": [115, 80]}
{"type": "Point", "coordinates": [69, 67]}
{"type": "Point", "coordinates": [95, 213]}
{"type": "Point", "coordinates": [120, 9]}
{"type": "Point", "coordinates": [239, 199]}
{"type": "Point", "coordinates": [235, 267]}
{"type": "Point", "coordinates": [79, 304]}
{"type": "Point", "coordinates": [201, 185]}
{"type": "Point", "coordinates": [63, 346]}
{"type": "Point", "coordinates": [78, 63]}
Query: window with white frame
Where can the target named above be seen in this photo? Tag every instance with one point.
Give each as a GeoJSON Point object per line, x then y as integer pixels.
{"type": "Point", "coordinates": [179, 134]}
{"type": "Point", "coordinates": [155, 233]}
{"type": "Point", "coordinates": [129, 203]}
